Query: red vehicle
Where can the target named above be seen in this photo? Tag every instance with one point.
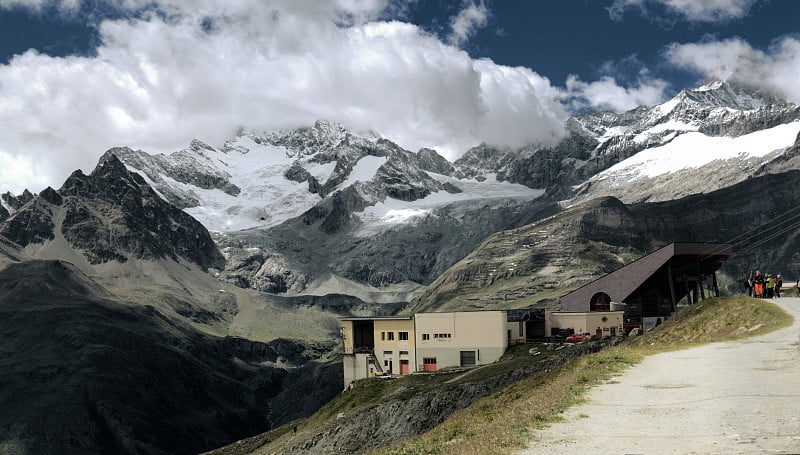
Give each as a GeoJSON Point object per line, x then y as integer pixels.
{"type": "Point", "coordinates": [578, 337]}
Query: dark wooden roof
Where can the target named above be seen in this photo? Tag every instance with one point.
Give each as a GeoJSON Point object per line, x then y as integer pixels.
{"type": "Point", "coordinates": [650, 271]}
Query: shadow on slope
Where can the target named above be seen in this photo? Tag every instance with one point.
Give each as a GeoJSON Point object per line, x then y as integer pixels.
{"type": "Point", "coordinates": [82, 373]}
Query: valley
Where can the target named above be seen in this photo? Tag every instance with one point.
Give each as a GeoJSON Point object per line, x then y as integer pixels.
{"type": "Point", "coordinates": [218, 274]}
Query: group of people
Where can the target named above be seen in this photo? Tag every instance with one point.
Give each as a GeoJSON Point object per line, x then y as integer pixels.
{"type": "Point", "coordinates": [763, 287]}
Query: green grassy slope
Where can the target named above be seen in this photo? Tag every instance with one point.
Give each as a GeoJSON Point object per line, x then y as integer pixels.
{"type": "Point", "coordinates": [83, 373]}
{"type": "Point", "coordinates": [536, 390]}
{"type": "Point", "coordinates": [500, 423]}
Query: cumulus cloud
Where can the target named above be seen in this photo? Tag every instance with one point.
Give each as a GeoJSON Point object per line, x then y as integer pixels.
{"type": "Point", "coordinates": [205, 68]}
{"type": "Point", "coordinates": [472, 17]}
{"type": "Point", "coordinates": [606, 94]}
{"type": "Point", "coordinates": [691, 10]}
{"type": "Point", "coordinates": [774, 69]}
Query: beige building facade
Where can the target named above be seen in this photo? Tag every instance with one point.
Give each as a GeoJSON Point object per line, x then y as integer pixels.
{"type": "Point", "coordinates": [400, 345]}
{"type": "Point", "coordinates": [423, 342]}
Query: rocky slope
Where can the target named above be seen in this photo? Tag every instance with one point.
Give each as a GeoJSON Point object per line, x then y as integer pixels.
{"type": "Point", "coordinates": [111, 215]}
{"type": "Point", "coordinates": [378, 413]}
{"type": "Point", "coordinates": [721, 128]}
{"type": "Point", "coordinates": [322, 209]}
{"type": "Point", "coordinates": [83, 372]}
{"type": "Point", "coordinates": [533, 265]}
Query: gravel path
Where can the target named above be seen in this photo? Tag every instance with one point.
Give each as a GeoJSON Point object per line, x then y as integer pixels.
{"type": "Point", "coordinates": [737, 397]}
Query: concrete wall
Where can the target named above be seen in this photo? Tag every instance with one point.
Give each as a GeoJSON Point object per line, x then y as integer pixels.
{"type": "Point", "coordinates": [586, 321]}
{"type": "Point", "coordinates": [356, 366]}
{"type": "Point", "coordinates": [347, 336]}
{"type": "Point", "coordinates": [516, 332]}
{"type": "Point", "coordinates": [482, 333]}
{"type": "Point", "coordinates": [391, 351]}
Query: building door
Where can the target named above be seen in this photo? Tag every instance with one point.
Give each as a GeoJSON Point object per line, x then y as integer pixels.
{"type": "Point", "coordinates": [613, 332]}
{"type": "Point", "coordinates": [429, 364]}
{"type": "Point", "coordinates": [467, 358]}
{"type": "Point", "coordinates": [534, 329]}
{"type": "Point", "coordinates": [404, 367]}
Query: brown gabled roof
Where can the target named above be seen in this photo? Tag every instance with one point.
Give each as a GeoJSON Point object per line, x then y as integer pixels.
{"type": "Point", "coordinates": [621, 283]}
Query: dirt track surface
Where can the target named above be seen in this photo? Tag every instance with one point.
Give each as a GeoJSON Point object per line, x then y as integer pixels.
{"type": "Point", "coordinates": [737, 397]}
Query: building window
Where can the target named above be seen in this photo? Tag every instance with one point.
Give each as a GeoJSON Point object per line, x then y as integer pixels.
{"type": "Point", "coordinates": [442, 336]}
{"type": "Point", "coordinates": [403, 352]}
{"type": "Point", "coordinates": [600, 302]}
{"type": "Point", "coordinates": [390, 336]}
{"type": "Point", "coordinates": [387, 352]}
{"type": "Point", "coordinates": [402, 336]}
{"type": "Point", "coordinates": [426, 336]}
{"type": "Point", "coordinates": [383, 336]}
{"type": "Point", "coordinates": [521, 328]}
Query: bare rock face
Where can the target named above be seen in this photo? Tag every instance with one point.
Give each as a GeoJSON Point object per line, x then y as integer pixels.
{"type": "Point", "coordinates": [16, 202]}
{"type": "Point", "coordinates": [260, 270]}
{"type": "Point", "coordinates": [112, 215]}
{"type": "Point", "coordinates": [190, 166]}
{"type": "Point", "coordinates": [429, 160]}
{"type": "Point", "coordinates": [33, 224]}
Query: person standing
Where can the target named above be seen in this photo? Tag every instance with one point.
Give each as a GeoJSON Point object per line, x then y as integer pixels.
{"type": "Point", "coordinates": [758, 285]}
{"type": "Point", "coordinates": [778, 286]}
{"type": "Point", "coordinates": [770, 286]}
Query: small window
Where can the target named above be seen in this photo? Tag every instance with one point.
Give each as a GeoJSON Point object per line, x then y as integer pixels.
{"type": "Point", "coordinates": [387, 352]}
{"type": "Point", "coordinates": [600, 302]}
{"type": "Point", "coordinates": [521, 328]}
{"type": "Point", "coordinates": [402, 336]}
{"type": "Point", "coordinates": [383, 336]}
{"type": "Point", "coordinates": [390, 336]}
{"type": "Point", "coordinates": [403, 352]}
{"type": "Point", "coordinates": [426, 336]}
{"type": "Point", "coordinates": [429, 360]}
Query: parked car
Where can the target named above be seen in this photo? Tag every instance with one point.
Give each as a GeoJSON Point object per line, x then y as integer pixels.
{"type": "Point", "coordinates": [578, 337]}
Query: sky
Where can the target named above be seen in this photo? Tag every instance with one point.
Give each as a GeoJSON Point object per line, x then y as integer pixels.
{"type": "Point", "coordinates": [78, 77]}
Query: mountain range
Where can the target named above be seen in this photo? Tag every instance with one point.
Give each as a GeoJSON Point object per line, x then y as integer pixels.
{"type": "Point", "coordinates": [231, 264]}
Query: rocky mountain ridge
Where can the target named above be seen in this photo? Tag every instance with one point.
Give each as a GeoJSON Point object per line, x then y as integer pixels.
{"type": "Point", "coordinates": [533, 265]}
{"type": "Point", "coordinates": [380, 216]}
{"type": "Point", "coordinates": [111, 215]}
{"type": "Point", "coordinates": [320, 209]}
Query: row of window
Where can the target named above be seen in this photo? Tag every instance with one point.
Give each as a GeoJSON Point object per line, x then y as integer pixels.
{"type": "Point", "coordinates": [385, 353]}
{"type": "Point", "coordinates": [436, 336]}
{"type": "Point", "coordinates": [403, 336]}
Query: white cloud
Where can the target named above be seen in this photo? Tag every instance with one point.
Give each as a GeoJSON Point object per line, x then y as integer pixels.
{"type": "Point", "coordinates": [775, 69]}
{"type": "Point", "coordinates": [467, 21]}
{"type": "Point", "coordinates": [606, 93]}
{"type": "Point", "coordinates": [691, 10]}
{"type": "Point", "coordinates": [159, 81]}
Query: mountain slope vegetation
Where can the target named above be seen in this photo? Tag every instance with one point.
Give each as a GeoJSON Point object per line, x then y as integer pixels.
{"type": "Point", "coordinates": [82, 372]}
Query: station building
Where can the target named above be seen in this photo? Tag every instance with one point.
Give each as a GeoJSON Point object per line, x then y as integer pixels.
{"type": "Point", "coordinates": [645, 291]}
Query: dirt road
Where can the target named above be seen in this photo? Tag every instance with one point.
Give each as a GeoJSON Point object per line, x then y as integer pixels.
{"type": "Point", "coordinates": [738, 397]}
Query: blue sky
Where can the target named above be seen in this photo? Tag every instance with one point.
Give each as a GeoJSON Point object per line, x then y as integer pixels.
{"type": "Point", "coordinates": [78, 77]}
